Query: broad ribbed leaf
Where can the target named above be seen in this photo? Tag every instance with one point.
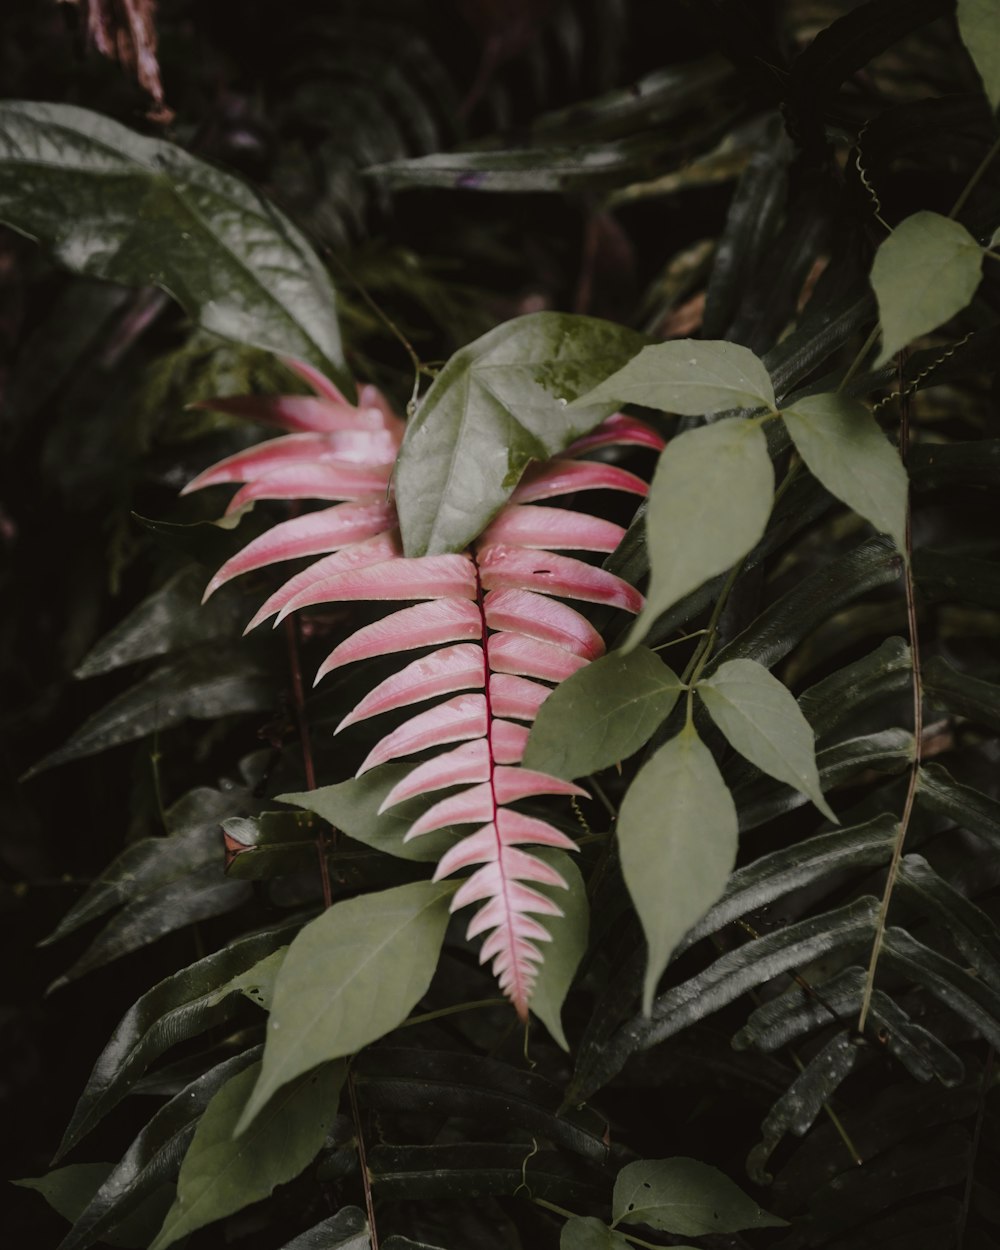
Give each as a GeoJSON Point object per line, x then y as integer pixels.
{"type": "Point", "coordinates": [685, 1196]}
{"type": "Point", "coordinates": [962, 694]}
{"type": "Point", "coordinates": [925, 272]}
{"type": "Point", "coordinates": [148, 213]}
{"type": "Point", "coordinates": [222, 1173]}
{"type": "Point", "coordinates": [883, 674]}
{"type": "Point", "coordinates": [677, 833]}
{"type": "Point", "coordinates": [690, 377]}
{"type": "Point", "coordinates": [978, 23]}
{"type": "Point", "coordinates": [761, 719]}
{"type": "Point", "coordinates": [968, 808]}
{"type": "Point", "coordinates": [614, 705]}
{"type": "Point", "coordinates": [498, 404]}
{"type": "Point", "coordinates": [708, 505]}
{"type": "Point", "coordinates": [583, 1232]}
{"type": "Point", "coordinates": [347, 1230]}
{"type": "Point", "coordinates": [842, 445]}
{"type": "Point", "coordinates": [350, 977]}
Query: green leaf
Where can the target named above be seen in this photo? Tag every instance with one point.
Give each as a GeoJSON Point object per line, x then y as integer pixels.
{"type": "Point", "coordinates": [842, 446]}
{"type": "Point", "coordinates": [708, 506]}
{"type": "Point", "coordinates": [498, 404]}
{"type": "Point", "coordinates": [687, 1197]}
{"type": "Point", "coordinates": [569, 942]}
{"type": "Point", "coordinates": [583, 1232]}
{"type": "Point", "coordinates": [968, 808]}
{"type": "Point", "coordinates": [978, 24]}
{"type": "Point", "coordinates": [924, 273]}
{"type": "Point", "coordinates": [690, 377]}
{"type": "Point", "coordinates": [147, 213]}
{"type": "Point", "coordinates": [964, 695]}
{"type": "Point", "coordinates": [222, 1174]}
{"type": "Point", "coordinates": [677, 835]}
{"type": "Point", "coordinates": [350, 977]}
{"type": "Point", "coordinates": [347, 1230]}
{"type": "Point", "coordinates": [69, 1189]}
{"type": "Point", "coordinates": [761, 719]}
{"type": "Point", "coordinates": [614, 704]}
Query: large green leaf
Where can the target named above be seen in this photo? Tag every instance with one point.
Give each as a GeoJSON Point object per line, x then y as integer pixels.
{"type": "Point", "coordinates": [689, 377]}
{"type": "Point", "coordinates": [685, 1196]}
{"type": "Point", "coordinates": [350, 977]}
{"type": "Point", "coordinates": [677, 834]}
{"type": "Point", "coordinates": [614, 706]}
{"type": "Point", "coordinates": [569, 941]}
{"type": "Point", "coordinates": [144, 212]}
{"type": "Point", "coordinates": [584, 1232]}
{"type": "Point", "coordinates": [759, 716]}
{"type": "Point", "coordinates": [924, 273]}
{"type": "Point", "coordinates": [842, 445]}
{"type": "Point", "coordinates": [978, 24]}
{"type": "Point", "coordinates": [498, 404]}
{"type": "Point", "coordinates": [222, 1174]}
{"type": "Point", "coordinates": [708, 506]}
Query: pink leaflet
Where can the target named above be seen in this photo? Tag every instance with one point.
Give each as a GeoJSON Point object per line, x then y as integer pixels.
{"type": "Point", "coordinates": [472, 806]}
{"type": "Point", "coordinates": [453, 721]}
{"type": "Point", "coordinates": [423, 625]}
{"type": "Point", "coordinates": [308, 535]}
{"type": "Point", "coordinates": [315, 481]}
{"type": "Point", "coordinates": [353, 447]}
{"type": "Point", "coordinates": [464, 765]}
{"type": "Point", "coordinates": [425, 577]}
{"type": "Point", "coordinates": [319, 382]}
{"type": "Point", "coordinates": [617, 430]}
{"type": "Point", "coordinates": [511, 784]}
{"type": "Point", "coordinates": [516, 696]}
{"type": "Point", "coordinates": [563, 477]}
{"type": "Point", "coordinates": [551, 529]}
{"type": "Point", "coordinates": [484, 845]}
{"type": "Point", "coordinates": [527, 657]}
{"type": "Point", "coordinates": [442, 672]}
{"type": "Point", "coordinates": [522, 612]}
{"type": "Point", "coordinates": [509, 741]}
{"type": "Point", "coordinates": [506, 893]}
{"type": "Point", "coordinates": [503, 567]}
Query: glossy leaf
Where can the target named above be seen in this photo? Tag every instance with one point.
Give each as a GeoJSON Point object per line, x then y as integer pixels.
{"type": "Point", "coordinates": [961, 693]}
{"type": "Point", "coordinates": [685, 1196]}
{"type": "Point", "coordinates": [967, 807]}
{"type": "Point", "coordinates": [347, 1230]}
{"type": "Point", "coordinates": [924, 273]}
{"type": "Point", "coordinates": [222, 1173]}
{"type": "Point", "coordinates": [689, 377]}
{"type": "Point", "coordinates": [708, 505]}
{"type": "Point", "coordinates": [614, 705]}
{"type": "Point", "coordinates": [350, 977]}
{"type": "Point", "coordinates": [677, 834]}
{"type": "Point", "coordinates": [761, 719]}
{"type": "Point", "coordinates": [584, 1232]}
{"type": "Point", "coordinates": [978, 23]}
{"type": "Point", "coordinates": [843, 447]}
{"type": "Point", "coordinates": [68, 1189]}
{"type": "Point", "coordinates": [148, 213]}
{"type": "Point", "coordinates": [498, 404]}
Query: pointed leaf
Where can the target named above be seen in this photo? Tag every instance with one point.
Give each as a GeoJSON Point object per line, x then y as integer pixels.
{"type": "Point", "coordinates": [350, 977]}
{"type": "Point", "coordinates": [967, 807]}
{"type": "Point", "coordinates": [978, 23]}
{"type": "Point", "coordinates": [689, 377]}
{"type": "Point", "coordinates": [677, 835]}
{"type": "Point", "coordinates": [499, 403]}
{"type": "Point", "coordinates": [527, 657]}
{"type": "Point", "coordinates": [347, 1230]}
{"type": "Point", "coordinates": [708, 506]}
{"type": "Point", "coordinates": [432, 577]}
{"type": "Point", "coordinates": [924, 273]}
{"type": "Point", "coordinates": [569, 942]}
{"type": "Point", "coordinates": [518, 568]}
{"type": "Point", "coordinates": [535, 616]}
{"type": "Point", "coordinates": [552, 529]}
{"type": "Point", "coordinates": [423, 625]}
{"type": "Point", "coordinates": [843, 447]}
{"type": "Point", "coordinates": [584, 1232]}
{"type": "Point", "coordinates": [565, 477]}
{"type": "Point", "coordinates": [761, 719]}
{"type": "Point", "coordinates": [455, 720]}
{"type": "Point", "coordinates": [68, 1190]}
{"type": "Point", "coordinates": [222, 1174]}
{"type": "Point", "coordinates": [614, 704]}
{"type": "Point", "coordinates": [442, 672]}
{"type": "Point", "coordinates": [146, 212]}
{"type": "Point", "coordinates": [687, 1197]}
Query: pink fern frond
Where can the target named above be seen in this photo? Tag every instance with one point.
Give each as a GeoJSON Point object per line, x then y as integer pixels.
{"type": "Point", "coordinates": [552, 529]}
{"type": "Point", "coordinates": [618, 430]}
{"type": "Point", "coordinates": [565, 477]}
{"type": "Point", "coordinates": [423, 625]}
{"type": "Point", "coordinates": [518, 568]}
{"type": "Point", "coordinates": [458, 667]}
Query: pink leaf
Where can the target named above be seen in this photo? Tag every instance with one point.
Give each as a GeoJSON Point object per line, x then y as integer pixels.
{"type": "Point", "coordinates": [319, 382]}
{"type": "Point", "coordinates": [508, 741]}
{"type": "Point", "coordinates": [472, 806]}
{"type": "Point", "coordinates": [427, 577]}
{"type": "Point", "coordinates": [552, 529]}
{"type": "Point", "coordinates": [516, 827]}
{"type": "Point", "coordinates": [464, 765]}
{"type": "Point", "coordinates": [520, 611]}
{"type": "Point", "coordinates": [563, 477]}
{"type": "Point", "coordinates": [423, 625]}
{"type": "Point", "coordinates": [527, 657]}
{"type": "Point", "coordinates": [353, 447]}
{"type": "Point", "coordinates": [516, 696]}
{"type": "Point", "coordinates": [618, 431]}
{"type": "Point", "coordinates": [511, 784]}
{"type": "Point", "coordinates": [502, 568]}
{"type": "Point", "coordinates": [509, 829]}
{"type": "Point", "coordinates": [315, 481]}
{"type": "Point", "coordinates": [442, 672]}
{"type": "Point", "coordinates": [453, 721]}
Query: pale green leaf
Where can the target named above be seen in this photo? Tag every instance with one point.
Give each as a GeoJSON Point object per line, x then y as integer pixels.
{"type": "Point", "coordinates": [584, 1232]}
{"type": "Point", "coordinates": [979, 26]}
{"type": "Point", "coordinates": [924, 273]}
{"type": "Point", "coordinates": [708, 507]}
{"type": "Point", "coordinates": [613, 707]}
{"type": "Point", "coordinates": [687, 1197]}
{"type": "Point", "coordinates": [842, 446]}
{"type": "Point", "coordinates": [677, 836]}
{"type": "Point", "coordinates": [351, 976]}
{"type": "Point", "coordinates": [690, 377]}
{"type": "Point", "coordinates": [569, 941]}
{"type": "Point", "coordinates": [761, 719]}
{"type": "Point", "coordinates": [498, 404]}
{"type": "Point", "coordinates": [221, 1174]}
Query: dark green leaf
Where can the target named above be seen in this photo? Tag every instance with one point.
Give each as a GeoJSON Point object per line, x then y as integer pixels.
{"type": "Point", "coordinates": [67, 1190]}
{"type": "Point", "coordinates": [583, 1232]}
{"type": "Point", "coordinates": [968, 808]}
{"type": "Point", "coordinates": [147, 213]}
{"type": "Point", "coordinates": [978, 23]}
{"type": "Point", "coordinates": [953, 578]}
{"type": "Point", "coordinates": [351, 976]}
{"type": "Point", "coordinates": [615, 704]}
{"type": "Point", "coordinates": [269, 845]}
{"type": "Point", "coordinates": [963, 992]}
{"type": "Point", "coordinates": [974, 463]}
{"type": "Point", "coordinates": [836, 699]}
{"type": "Point", "coordinates": [222, 1173]}
{"type": "Point", "coordinates": [969, 927]}
{"type": "Point", "coordinates": [961, 694]}
{"type": "Point", "coordinates": [498, 404]}
{"type": "Point", "coordinates": [569, 942]}
{"type": "Point", "coordinates": [685, 1196]}
{"type": "Point", "coordinates": [347, 1230]}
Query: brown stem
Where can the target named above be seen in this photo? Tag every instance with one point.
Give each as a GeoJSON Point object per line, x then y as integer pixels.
{"type": "Point", "coordinates": [366, 1179]}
